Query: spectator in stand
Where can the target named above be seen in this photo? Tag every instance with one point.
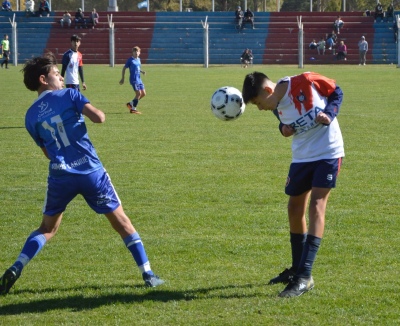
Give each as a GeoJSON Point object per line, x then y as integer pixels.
{"type": "Point", "coordinates": [66, 19]}
{"type": "Point", "coordinates": [338, 24]}
{"type": "Point", "coordinates": [246, 58]}
{"type": "Point", "coordinates": [239, 17]}
{"type": "Point", "coordinates": [395, 31]}
{"type": "Point", "coordinates": [362, 50]}
{"type": "Point", "coordinates": [330, 43]}
{"type": "Point", "coordinates": [341, 51]}
{"type": "Point", "coordinates": [313, 45]}
{"type": "Point", "coordinates": [334, 36]}
{"type": "Point", "coordinates": [367, 13]}
{"type": "Point", "coordinates": [44, 8]}
{"type": "Point", "coordinates": [249, 18]}
{"type": "Point", "coordinates": [6, 6]}
{"type": "Point", "coordinates": [390, 12]}
{"type": "Point", "coordinates": [80, 21]}
{"type": "Point", "coordinates": [321, 46]}
{"type": "Point", "coordinates": [30, 8]}
{"type": "Point", "coordinates": [378, 11]}
{"type": "Point", "coordinates": [94, 18]}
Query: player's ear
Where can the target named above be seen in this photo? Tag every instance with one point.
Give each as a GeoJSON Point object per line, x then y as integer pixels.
{"type": "Point", "coordinates": [268, 89]}
{"type": "Point", "coordinates": [42, 80]}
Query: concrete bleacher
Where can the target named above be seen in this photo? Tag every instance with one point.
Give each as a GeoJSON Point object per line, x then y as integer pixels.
{"type": "Point", "coordinates": [177, 37]}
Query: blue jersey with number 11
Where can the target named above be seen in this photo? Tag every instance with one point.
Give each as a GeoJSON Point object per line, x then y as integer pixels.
{"type": "Point", "coordinates": [55, 121]}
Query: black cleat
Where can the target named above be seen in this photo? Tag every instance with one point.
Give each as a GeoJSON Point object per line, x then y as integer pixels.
{"type": "Point", "coordinates": [8, 279]}
{"type": "Point", "coordinates": [296, 287]}
{"type": "Point", "coordinates": [283, 277]}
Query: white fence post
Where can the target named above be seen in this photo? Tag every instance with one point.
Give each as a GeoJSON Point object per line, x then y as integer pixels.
{"type": "Point", "coordinates": [300, 42]}
{"type": "Point", "coordinates": [205, 42]}
{"type": "Point", "coordinates": [111, 40]}
{"type": "Point", "coordinates": [15, 40]}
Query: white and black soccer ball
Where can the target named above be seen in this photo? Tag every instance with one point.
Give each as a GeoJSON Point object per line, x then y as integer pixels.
{"type": "Point", "coordinates": [227, 103]}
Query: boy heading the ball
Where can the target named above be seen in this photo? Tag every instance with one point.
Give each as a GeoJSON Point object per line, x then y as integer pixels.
{"type": "Point", "coordinates": [56, 123]}
{"type": "Point", "coordinates": [306, 106]}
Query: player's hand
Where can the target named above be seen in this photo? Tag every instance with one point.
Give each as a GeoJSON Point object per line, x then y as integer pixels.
{"type": "Point", "coordinates": [121, 82]}
{"type": "Point", "coordinates": [84, 86]}
{"type": "Point", "coordinates": [323, 118]}
{"type": "Point", "coordinates": [144, 73]}
{"type": "Point", "coordinates": [287, 131]}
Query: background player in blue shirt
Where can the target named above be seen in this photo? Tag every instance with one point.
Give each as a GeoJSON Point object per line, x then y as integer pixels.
{"type": "Point", "coordinates": [56, 123]}
{"type": "Point", "coordinates": [133, 64]}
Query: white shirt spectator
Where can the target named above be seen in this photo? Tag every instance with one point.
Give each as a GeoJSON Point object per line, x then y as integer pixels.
{"type": "Point", "coordinates": [30, 6]}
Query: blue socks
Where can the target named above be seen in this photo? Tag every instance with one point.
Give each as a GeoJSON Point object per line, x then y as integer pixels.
{"type": "Point", "coordinates": [135, 246]}
{"type": "Point", "coordinates": [33, 245]}
{"type": "Point", "coordinates": [309, 255]}
{"type": "Point", "coordinates": [135, 102]}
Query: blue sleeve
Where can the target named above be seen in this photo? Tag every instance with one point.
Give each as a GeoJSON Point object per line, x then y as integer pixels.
{"type": "Point", "coordinates": [275, 112]}
{"type": "Point", "coordinates": [128, 63]}
{"type": "Point", "coordinates": [79, 99]}
{"type": "Point", "coordinates": [64, 62]}
{"type": "Point", "coordinates": [334, 102]}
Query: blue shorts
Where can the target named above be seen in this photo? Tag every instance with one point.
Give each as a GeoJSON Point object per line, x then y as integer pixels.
{"type": "Point", "coordinates": [138, 86]}
{"type": "Point", "coordinates": [303, 176]}
{"type": "Point", "coordinates": [95, 187]}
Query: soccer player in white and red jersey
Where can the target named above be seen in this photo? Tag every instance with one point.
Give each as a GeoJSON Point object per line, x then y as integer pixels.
{"type": "Point", "coordinates": [72, 65]}
{"type": "Point", "coordinates": [306, 106]}
{"type": "Point", "coordinates": [56, 123]}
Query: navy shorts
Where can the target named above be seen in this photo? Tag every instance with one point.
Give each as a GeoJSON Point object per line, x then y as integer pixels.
{"type": "Point", "coordinates": [96, 188]}
{"type": "Point", "coordinates": [303, 176]}
{"type": "Point", "coordinates": [74, 86]}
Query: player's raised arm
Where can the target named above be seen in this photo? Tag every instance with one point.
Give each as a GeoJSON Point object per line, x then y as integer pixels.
{"type": "Point", "coordinates": [95, 115]}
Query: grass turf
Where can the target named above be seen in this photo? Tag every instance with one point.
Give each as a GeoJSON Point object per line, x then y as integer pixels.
{"type": "Point", "coordinates": [207, 199]}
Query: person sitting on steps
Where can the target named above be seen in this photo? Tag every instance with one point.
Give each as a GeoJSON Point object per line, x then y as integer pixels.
{"type": "Point", "coordinates": [239, 17]}
{"type": "Point", "coordinates": [248, 18]}
{"type": "Point", "coordinates": [338, 24]}
{"type": "Point", "coordinates": [246, 58]}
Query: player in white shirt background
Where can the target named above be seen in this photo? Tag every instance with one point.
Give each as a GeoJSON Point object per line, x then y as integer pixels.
{"type": "Point", "coordinates": [72, 65]}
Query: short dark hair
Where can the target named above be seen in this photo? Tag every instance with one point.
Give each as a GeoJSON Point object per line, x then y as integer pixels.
{"type": "Point", "coordinates": [252, 85]}
{"type": "Point", "coordinates": [75, 38]}
{"type": "Point", "coordinates": [36, 67]}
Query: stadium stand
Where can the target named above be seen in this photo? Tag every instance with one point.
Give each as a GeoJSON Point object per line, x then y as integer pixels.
{"type": "Point", "coordinates": [177, 37]}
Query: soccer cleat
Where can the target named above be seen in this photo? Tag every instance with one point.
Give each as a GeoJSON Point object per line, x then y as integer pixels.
{"type": "Point", "coordinates": [296, 287]}
{"type": "Point", "coordinates": [8, 279]}
{"type": "Point", "coordinates": [285, 277]}
{"type": "Point", "coordinates": [132, 109]}
{"type": "Point", "coordinates": [152, 280]}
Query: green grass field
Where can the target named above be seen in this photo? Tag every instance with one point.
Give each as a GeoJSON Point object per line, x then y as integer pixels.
{"type": "Point", "coordinates": [207, 198]}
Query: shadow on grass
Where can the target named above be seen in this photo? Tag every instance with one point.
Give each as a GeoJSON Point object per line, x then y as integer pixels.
{"type": "Point", "coordinates": [12, 128]}
{"type": "Point", "coordinates": [81, 302]}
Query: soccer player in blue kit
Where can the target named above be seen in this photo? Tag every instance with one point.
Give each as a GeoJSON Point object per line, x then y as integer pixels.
{"type": "Point", "coordinates": [56, 123]}
{"type": "Point", "coordinates": [306, 106]}
{"type": "Point", "coordinates": [134, 66]}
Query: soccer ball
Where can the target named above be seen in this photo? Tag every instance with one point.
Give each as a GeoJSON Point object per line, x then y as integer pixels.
{"type": "Point", "coordinates": [227, 103]}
